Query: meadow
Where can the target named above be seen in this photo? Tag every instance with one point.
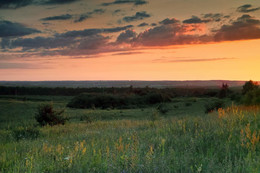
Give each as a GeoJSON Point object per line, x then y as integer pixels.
{"type": "Point", "coordinates": [181, 139]}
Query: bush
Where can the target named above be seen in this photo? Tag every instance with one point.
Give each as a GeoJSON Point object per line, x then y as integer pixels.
{"type": "Point", "coordinates": [163, 109]}
{"type": "Point", "coordinates": [214, 106]}
{"type": "Point", "coordinates": [25, 133]}
{"type": "Point", "coordinates": [252, 97]}
{"type": "Point", "coordinates": [46, 115]}
{"type": "Point", "coordinates": [249, 86]}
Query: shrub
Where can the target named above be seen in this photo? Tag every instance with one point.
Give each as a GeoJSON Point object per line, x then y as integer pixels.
{"type": "Point", "coordinates": [46, 115]}
{"type": "Point", "coordinates": [25, 133]}
{"type": "Point", "coordinates": [162, 108]}
{"type": "Point", "coordinates": [188, 104]}
{"type": "Point", "coordinates": [252, 97]}
{"type": "Point", "coordinates": [214, 106]}
{"type": "Point", "coordinates": [249, 86]}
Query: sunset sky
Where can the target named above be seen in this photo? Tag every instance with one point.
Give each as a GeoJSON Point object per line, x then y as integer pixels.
{"type": "Point", "coordinates": [129, 40]}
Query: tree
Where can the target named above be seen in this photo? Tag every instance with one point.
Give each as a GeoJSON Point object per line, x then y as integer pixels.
{"type": "Point", "coordinates": [249, 86]}
{"type": "Point", "coordinates": [224, 90]}
{"type": "Point", "coordinates": [47, 115]}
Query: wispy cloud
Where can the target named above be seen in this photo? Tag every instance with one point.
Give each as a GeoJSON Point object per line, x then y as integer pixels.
{"type": "Point", "coordinates": [8, 65]}
{"type": "Point", "coordinates": [60, 17]}
{"type": "Point", "coordinates": [118, 2]}
{"type": "Point", "coordinates": [183, 60]}
{"type": "Point", "coordinates": [247, 8]}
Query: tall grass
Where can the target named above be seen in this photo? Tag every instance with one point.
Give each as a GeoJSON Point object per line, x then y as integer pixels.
{"type": "Point", "coordinates": [223, 141]}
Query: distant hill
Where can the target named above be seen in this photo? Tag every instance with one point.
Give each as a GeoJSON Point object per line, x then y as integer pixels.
{"type": "Point", "coordinates": [153, 84]}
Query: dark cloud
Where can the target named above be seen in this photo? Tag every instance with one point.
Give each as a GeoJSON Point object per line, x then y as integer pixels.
{"type": "Point", "coordinates": [138, 16]}
{"type": "Point", "coordinates": [195, 19]}
{"type": "Point", "coordinates": [153, 24]}
{"type": "Point", "coordinates": [84, 39]}
{"type": "Point", "coordinates": [214, 16]}
{"type": "Point", "coordinates": [61, 17]}
{"type": "Point", "coordinates": [247, 8]}
{"type": "Point", "coordinates": [143, 24]}
{"type": "Point", "coordinates": [13, 4]}
{"type": "Point", "coordinates": [38, 42]}
{"type": "Point", "coordinates": [93, 42]}
{"type": "Point", "coordinates": [135, 2]}
{"type": "Point", "coordinates": [126, 36]}
{"type": "Point", "coordinates": [88, 32]}
{"type": "Point", "coordinates": [116, 11]}
{"type": "Point", "coordinates": [168, 21]}
{"type": "Point", "coordinates": [245, 27]}
{"type": "Point", "coordinates": [170, 34]}
{"type": "Point", "coordinates": [11, 29]}
{"type": "Point", "coordinates": [87, 15]}
{"type": "Point", "coordinates": [56, 2]}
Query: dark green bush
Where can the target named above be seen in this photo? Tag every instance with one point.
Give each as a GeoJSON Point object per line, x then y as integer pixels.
{"type": "Point", "coordinates": [25, 133]}
{"type": "Point", "coordinates": [163, 108]}
{"type": "Point", "coordinates": [46, 115]}
{"type": "Point", "coordinates": [188, 104]}
{"type": "Point", "coordinates": [214, 106]}
{"type": "Point", "coordinates": [252, 97]}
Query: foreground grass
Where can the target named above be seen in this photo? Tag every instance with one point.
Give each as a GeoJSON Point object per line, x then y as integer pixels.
{"type": "Point", "coordinates": [224, 141]}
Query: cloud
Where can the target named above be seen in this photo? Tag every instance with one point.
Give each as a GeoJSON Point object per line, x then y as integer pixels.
{"type": "Point", "coordinates": [143, 24]}
{"type": "Point", "coordinates": [138, 16]}
{"type": "Point", "coordinates": [170, 34]}
{"type": "Point", "coordinates": [8, 65]}
{"type": "Point", "coordinates": [192, 60]}
{"type": "Point", "coordinates": [12, 29]}
{"type": "Point", "coordinates": [135, 2]}
{"type": "Point", "coordinates": [128, 53]}
{"type": "Point", "coordinates": [168, 21]}
{"type": "Point", "coordinates": [215, 16]}
{"type": "Point", "coordinates": [37, 42]}
{"type": "Point", "coordinates": [116, 11]}
{"type": "Point", "coordinates": [195, 19]}
{"type": "Point", "coordinates": [87, 15]}
{"type": "Point", "coordinates": [94, 31]}
{"type": "Point", "coordinates": [56, 2]}
{"type": "Point", "coordinates": [61, 17]}
{"type": "Point", "coordinates": [247, 8]}
{"type": "Point", "coordinates": [126, 36]}
{"type": "Point", "coordinates": [244, 28]}
{"type": "Point", "coordinates": [88, 40]}
{"type": "Point", "coordinates": [14, 4]}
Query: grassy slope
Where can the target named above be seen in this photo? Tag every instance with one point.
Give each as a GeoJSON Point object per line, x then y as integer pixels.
{"type": "Point", "coordinates": [182, 140]}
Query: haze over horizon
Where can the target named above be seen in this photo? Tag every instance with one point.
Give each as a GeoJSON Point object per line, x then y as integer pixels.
{"type": "Point", "coordinates": [46, 40]}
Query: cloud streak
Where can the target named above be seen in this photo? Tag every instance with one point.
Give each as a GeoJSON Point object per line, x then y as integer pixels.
{"type": "Point", "coordinates": [60, 17]}
{"type": "Point", "coordinates": [118, 2]}
{"type": "Point", "coordinates": [192, 60]}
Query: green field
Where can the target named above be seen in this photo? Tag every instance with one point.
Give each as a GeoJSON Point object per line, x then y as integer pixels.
{"type": "Point", "coordinates": [184, 139]}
